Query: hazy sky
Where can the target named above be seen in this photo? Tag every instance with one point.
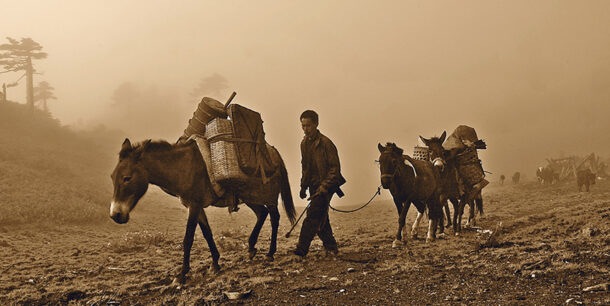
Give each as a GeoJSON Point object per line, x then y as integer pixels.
{"type": "Point", "coordinates": [531, 76]}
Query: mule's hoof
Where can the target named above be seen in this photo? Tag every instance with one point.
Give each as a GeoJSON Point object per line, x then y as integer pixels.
{"type": "Point", "coordinates": [441, 235]}
{"type": "Point", "coordinates": [457, 233]}
{"type": "Point", "coordinates": [178, 281]}
{"type": "Point", "coordinates": [430, 239]}
{"type": "Point", "coordinates": [269, 257]}
{"type": "Point", "coordinates": [252, 253]}
{"type": "Point", "coordinates": [215, 268]}
{"type": "Point", "coordinates": [414, 235]}
{"type": "Point", "coordinates": [397, 243]}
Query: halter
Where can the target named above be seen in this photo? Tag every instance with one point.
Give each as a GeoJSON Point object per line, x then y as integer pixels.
{"type": "Point", "coordinates": [396, 170]}
{"type": "Point", "coordinates": [439, 159]}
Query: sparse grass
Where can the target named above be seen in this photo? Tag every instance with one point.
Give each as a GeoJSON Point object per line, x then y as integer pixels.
{"type": "Point", "coordinates": [139, 241]}
{"type": "Point", "coordinates": [48, 173]}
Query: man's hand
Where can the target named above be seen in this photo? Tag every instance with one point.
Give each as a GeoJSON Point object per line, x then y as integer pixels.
{"type": "Point", "coordinates": [303, 193]}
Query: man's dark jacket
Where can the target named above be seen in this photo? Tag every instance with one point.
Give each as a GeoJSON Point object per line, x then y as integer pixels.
{"type": "Point", "coordinates": [325, 158]}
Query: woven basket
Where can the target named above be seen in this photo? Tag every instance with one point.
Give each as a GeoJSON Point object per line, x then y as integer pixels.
{"type": "Point", "coordinates": [469, 167]}
{"type": "Point", "coordinates": [421, 153]}
{"type": "Point", "coordinates": [225, 162]}
{"type": "Point", "coordinates": [207, 110]}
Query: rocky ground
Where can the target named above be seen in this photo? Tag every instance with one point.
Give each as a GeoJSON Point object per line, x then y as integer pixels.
{"type": "Point", "coordinates": [550, 245]}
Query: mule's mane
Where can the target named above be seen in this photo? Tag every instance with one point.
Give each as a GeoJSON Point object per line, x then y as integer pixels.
{"type": "Point", "coordinates": [151, 146]}
{"type": "Point", "coordinates": [154, 146]}
{"type": "Point", "coordinates": [392, 147]}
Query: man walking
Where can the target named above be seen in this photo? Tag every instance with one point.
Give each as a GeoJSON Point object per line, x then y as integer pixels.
{"type": "Point", "coordinates": [322, 176]}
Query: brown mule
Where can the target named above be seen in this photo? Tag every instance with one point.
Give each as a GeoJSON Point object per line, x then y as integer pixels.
{"type": "Point", "coordinates": [411, 181]}
{"type": "Point", "coordinates": [180, 171]}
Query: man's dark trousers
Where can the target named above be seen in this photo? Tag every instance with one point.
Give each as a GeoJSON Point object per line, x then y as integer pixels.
{"type": "Point", "coordinates": [317, 223]}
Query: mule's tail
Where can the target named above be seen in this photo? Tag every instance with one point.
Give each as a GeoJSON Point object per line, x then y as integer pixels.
{"type": "Point", "coordinates": [286, 193]}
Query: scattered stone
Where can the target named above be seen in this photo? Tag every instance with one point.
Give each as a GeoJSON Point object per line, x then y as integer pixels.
{"type": "Point", "coordinates": [570, 300]}
{"type": "Point", "coordinates": [342, 291]}
{"type": "Point", "coordinates": [590, 232]}
{"type": "Point", "coordinates": [396, 290]}
{"type": "Point", "coordinates": [350, 270]}
{"type": "Point", "coordinates": [332, 279]}
{"type": "Point", "coordinates": [598, 287]}
{"type": "Point", "coordinates": [237, 295]}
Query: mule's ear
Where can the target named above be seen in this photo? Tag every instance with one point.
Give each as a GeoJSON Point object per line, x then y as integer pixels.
{"type": "Point", "coordinates": [442, 138]}
{"type": "Point", "coordinates": [424, 140]}
{"type": "Point", "coordinates": [142, 148]}
{"type": "Point", "coordinates": [126, 144]}
{"type": "Point", "coordinates": [380, 147]}
{"type": "Point", "coordinates": [399, 151]}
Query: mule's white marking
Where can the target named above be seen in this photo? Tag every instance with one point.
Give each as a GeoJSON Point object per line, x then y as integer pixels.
{"type": "Point", "coordinates": [416, 223]}
{"type": "Point", "coordinates": [407, 162]}
{"type": "Point", "coordinates": [429, 237]}
{"type": "Point", "coordinates": [113, 206]}
{"type": "Point", "coordinates": [117, 207]}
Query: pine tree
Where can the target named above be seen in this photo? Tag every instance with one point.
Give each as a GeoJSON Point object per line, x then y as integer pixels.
{"type": "Point", "coordinates": [17, 56]}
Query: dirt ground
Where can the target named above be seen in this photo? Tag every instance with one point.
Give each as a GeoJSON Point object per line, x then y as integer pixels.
{"type": "Point", "coordinates": [553, 243]}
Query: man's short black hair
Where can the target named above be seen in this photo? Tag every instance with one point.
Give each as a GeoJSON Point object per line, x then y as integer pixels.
{"type": "Point", "coordinates": [311, 115]}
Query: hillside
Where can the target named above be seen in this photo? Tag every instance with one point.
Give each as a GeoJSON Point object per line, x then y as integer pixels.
{"type": "Point", "coordinates": [50, 174]}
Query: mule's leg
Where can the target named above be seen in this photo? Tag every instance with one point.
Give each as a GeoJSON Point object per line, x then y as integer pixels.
{"type": "Point", "coordinates": [447, 211]}
{"type": "Point", "coordinates": [191, 225]}
{"type": "Point", "coordinates": [209, 238]}
{"type": "Point", "coordinates": [398, 205]}
{"type": "Point", "coordinates": [401, 223]}
{"type": "Point", "coordinates": [459, 213]}
{"type": "Point", "coordinates": [432, 223]}
{"type": "Point", "coordinates": [275, 223]}
{"type": "Point", "coordinates": [471, 211]}
{"type": "Point", "coordinates": [415, 225]}
{"type": "Point", "coordinates": [261, 215]}
{"type": "Point", "coordinates": [456, 211]}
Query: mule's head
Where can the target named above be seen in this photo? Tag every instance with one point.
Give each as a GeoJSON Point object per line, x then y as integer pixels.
{"type": "Point", "coordinates": [437, 152]}
{"type": "Point", "coordinates": [130, 180]}
{"type": "Point", "coordinates": [389, 159]}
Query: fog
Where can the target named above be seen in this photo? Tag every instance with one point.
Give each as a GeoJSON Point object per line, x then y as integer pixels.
{"type": "Point", "coordinates": [533, 78]}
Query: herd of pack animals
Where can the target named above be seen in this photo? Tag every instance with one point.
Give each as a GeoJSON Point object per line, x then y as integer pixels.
{"type": "Point", "coordinates": [179, 170]}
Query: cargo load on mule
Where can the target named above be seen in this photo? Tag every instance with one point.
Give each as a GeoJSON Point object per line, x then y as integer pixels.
{"type": "Point", "coordinates": [421, 153]}
{"type": "Point", "coordinates": [238, 146]}
{"type": "Point", "coordinates": [463, 144]}
{"type": "Point", "coordinates": [207, 110]}
{"type": "Point", "coordinates": [239, 161]}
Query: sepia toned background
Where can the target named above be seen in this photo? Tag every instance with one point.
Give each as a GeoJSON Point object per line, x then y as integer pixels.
{"type": "Point", "coordinates": [531, 77]}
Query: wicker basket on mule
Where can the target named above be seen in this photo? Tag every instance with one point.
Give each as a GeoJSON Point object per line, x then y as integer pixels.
{"type": "Point", "coordinates": [469, 167]}
{"type": "Point", "coordinates": [224, 155]}
{"type": "Point", "coordinates": [207, 110]}
{"type": "Point", "coordinates": [421, 153]}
